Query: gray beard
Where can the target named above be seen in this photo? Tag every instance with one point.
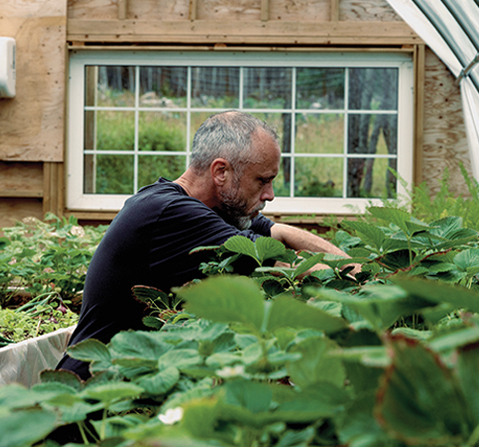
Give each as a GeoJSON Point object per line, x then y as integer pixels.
{"type": "Point", "coordinates": [235, 210]}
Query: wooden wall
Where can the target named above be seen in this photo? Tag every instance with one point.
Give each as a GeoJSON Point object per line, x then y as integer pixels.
{"type": "Point", "coordinates": [445, 143]}
{"type": "Point", "coordinates": [32, 125]}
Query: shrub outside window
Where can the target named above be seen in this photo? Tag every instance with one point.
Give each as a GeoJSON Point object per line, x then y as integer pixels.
{"type": "Point", "coordinates": [344, 121]}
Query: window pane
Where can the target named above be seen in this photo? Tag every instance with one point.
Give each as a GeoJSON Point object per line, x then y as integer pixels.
{"type": "Point", "coordinates": [112, 174]}
{"type": "Point", "coordinates": [163, 87]}
{"type": "Point", "coordinates": [113, 130]}
{"type": "Point", "coordinates": [109, 86]}
{"type": "Point", "coordinates": [162, 131]}
{"type": "Point", "coordinates": [370, 177]}
{"type": "Point", "coordinates": [320, 88]}
{"type": "Point", "coordinates": [215, 87]}
{"type": "Point", "coordinates": [373, 88]}
{"type": "Point", "coordinates": [372, 134]}
{"type": "Point", "coordinates": [267, 88]}
{"type": "Point", "coordinates": [282, 182]}
{"type": "Point", "coordinates": [319, 133]}
{"type": "Point", "coordinates": [151, 167]}
{"type": "Point", "coordinates": [318, 177]}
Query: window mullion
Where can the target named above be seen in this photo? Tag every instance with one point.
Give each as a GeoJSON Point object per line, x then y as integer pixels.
{"type": "Point", "coordinates": [346, 132]}
{"type": "Point", "coordinates": [135, 145]}
{"type": "Point", "coordinates": [293, 132]}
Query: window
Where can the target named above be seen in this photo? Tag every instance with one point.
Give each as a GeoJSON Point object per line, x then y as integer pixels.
{"type": "Point", "coordinates": [344, 119]}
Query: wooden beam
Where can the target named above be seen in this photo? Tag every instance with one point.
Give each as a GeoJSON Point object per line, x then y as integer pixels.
{"type": "Point", "coordinates": [193, 10]}
{"type": "Point", "coordinates": [419, 96]}
{"type": "Point", "coordinates": [20, 193]}
{"type": "Point", "coordinates": [264, 10]}
{"type": "Point", "coordinates": [122, 9]}
{"type": "Point", "coordinates": [334, 4]}
{"type": "Point", "coordinates": [53, 188]}
{"type": "Point", "coordinates": [271, 32]}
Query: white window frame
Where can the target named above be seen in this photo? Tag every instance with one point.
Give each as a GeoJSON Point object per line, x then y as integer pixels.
{"type": "Point", "coordinates": [77, 200]}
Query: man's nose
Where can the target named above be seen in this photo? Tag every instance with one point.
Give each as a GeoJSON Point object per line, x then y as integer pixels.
{"type": "Point", "coordinates": [268, 192]}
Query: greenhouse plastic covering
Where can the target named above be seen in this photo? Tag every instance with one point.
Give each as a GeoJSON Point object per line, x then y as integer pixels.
{"type": "Point", "coordinates": [451, 29]}
{"type": "Point", "coordinates": [22, 362]}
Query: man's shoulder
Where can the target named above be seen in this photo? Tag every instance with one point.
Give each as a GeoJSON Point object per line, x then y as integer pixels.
{"type": "Point", "coordinates": [158, 196]}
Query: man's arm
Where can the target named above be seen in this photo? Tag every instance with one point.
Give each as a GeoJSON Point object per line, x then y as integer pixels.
{"type": "Point", "coordinates": [298, 239]}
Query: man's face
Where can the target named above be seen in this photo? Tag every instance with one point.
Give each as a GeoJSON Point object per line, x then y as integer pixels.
{"type": "Point", "coordinates": [246, 195]}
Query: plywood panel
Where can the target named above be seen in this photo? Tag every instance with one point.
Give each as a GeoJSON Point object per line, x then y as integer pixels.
{"type": "Point", "coordinates": [244, 10]}
{"type": "Point", "coordinates": [13, 210]}
{"type": "Point", "coordinates": [135, 9]}
{"type": "Point", "coordinates": [445, 143]}
{"type": "Point", "coordinates": [300, 10]}
{"type": "Point", "coordinates": [367, 10]}
{"type": "Point", "coordinates": [21, 179]}
{"type": "Point", "coordinates": [93, 9]}
{"type": "Point", "coordinates": [158, 9]}
{"type": "Point", "coordinates": [31, 124]}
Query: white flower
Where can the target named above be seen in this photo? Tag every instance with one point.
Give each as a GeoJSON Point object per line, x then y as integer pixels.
{"type": "Point", "coordinates": [77, 231]}
{"type": "Point", "coordinates": [229, 371]}
{"type": "Point", "coordinates": [171, 416]}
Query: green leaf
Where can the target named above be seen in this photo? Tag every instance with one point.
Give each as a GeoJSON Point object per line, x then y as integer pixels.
{"type": "Point", "coordinates": [180, 358]}
{"type": "Point", "coordinates": [16, 396]}
{"type": "Point", "coordinates": [268, 248]}
{"type": "Point", "coordinates": [305, 265]}
{"type": "Point", "coordinates": [138, 345]}
{"type": "Point", "coordinates": [439, 292]}
{"type": "Point", "coordinates": [380, 305]}
{"type": "Point", "coordinates": [226, 299]}
{"type": "Point", "coordinates": [24, 428]}
{"type": "Point", "coordinates": [467, 367]}
{"type": "Point", "coordinates": [108, 392]}
{"type": "Point", "coordinates": [370, 234]}
{"type": "Point", "coordinates": [419, 400]}
{"type": "Point", "coordinates": [288, 312]}
{"type": "Point", "coordinates": [242, 245]}
{"type": "Point", "coordinates": [315, 364]}
{"type": "Point", "coordinates": [467, 259]}
{"type": "Point", "coordinates": [391, 215]}
{"type": "Point", "coordinates": [92, 350]}
{"type": "Point", "coordinates": [253, 396]}
{"type": "Point", "coordinates": [161, 382]}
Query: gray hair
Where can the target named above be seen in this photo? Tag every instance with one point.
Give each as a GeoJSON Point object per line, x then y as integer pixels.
{"type": "Point", "coordinates": [227, 135]}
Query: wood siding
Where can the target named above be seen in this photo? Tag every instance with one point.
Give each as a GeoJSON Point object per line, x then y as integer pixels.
{"type": "Point", "coordinates": [32, 125]}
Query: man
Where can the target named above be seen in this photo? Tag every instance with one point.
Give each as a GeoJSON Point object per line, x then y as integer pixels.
{"type": "Point", "coordinates": [235, 158]}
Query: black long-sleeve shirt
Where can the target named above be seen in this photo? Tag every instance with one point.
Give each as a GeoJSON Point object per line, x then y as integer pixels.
{"type": "Point", "coordinates": [148, 243]}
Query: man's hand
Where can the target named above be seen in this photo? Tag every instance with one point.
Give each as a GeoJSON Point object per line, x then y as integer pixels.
{"type": "Point", "coordinates": [299, 239]}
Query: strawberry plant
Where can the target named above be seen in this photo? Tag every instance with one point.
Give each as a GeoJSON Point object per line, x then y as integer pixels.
{"type": "Point", "coordinates": [288, 356]}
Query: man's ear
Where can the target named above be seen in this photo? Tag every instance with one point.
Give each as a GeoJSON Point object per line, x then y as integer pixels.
{"type": "Point", "coordinates": [220, 171]}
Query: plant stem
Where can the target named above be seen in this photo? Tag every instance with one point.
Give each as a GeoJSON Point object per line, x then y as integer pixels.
{"type": "Point", "coordinates": [82, 432]}
{"type": "Point", "coordinates": [103, 424]}
{"type": "Point", "coordinates": [474, 438]}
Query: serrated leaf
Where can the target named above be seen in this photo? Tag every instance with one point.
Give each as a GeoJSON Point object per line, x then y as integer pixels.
{"type": "Point", "coordinates": [370, 234]}
{"type": "Point", "coordinates": [242, 245]}
{"type": "Point", "coordinates": [226, 299]}
{"type": "Point", "coordinates": [267, 248]}
{"type": "Point", "coordinates": [391, 215]}
{"type": "Point", "coordinates": [23, 428]}
{"type": "Point", "coordinates": [315, 364]}
{"type": "Point", "coordinates": [288, 312]}
{"type": "Point", "coordinates": [179, 358]}
{"type": "Point", "coordinates": [467, 259]}
{"type": "Point", "coordinates": [439, 292]}
{"type": "Point", "coordinates": [160, 382]}
{"type": "Point", "coordinates": [307, 264]}
{"type": "Point", "coordinates": [419, 400]}
{"type": "Point", "coordinates": [92, 350]}
{"type": "Point", "coordinates": [108, 392]}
